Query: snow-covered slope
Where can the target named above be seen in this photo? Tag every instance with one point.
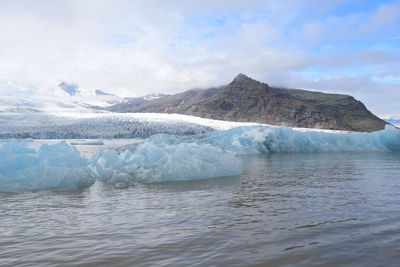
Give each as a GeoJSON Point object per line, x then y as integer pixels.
{"type": "Point", "coordinates": [20, 97]}
{"type": "Point", "coordinates": [12, 88]}
{"type": "Point", "coordinates": [26, 98]}
{"type": "Point", "coordinates": [87, 97]}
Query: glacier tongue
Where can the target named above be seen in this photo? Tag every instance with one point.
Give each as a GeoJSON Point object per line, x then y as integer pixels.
{"type": "Point", "coordinates": [95, 125]}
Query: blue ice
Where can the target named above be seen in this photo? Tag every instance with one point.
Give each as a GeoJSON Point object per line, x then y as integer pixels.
{"type": "Point", "coordinates": [270, 139]}
{"type": "Point", "coordinates": [57, 166]}
{"type": "Point", "coordinates": [164, 157]}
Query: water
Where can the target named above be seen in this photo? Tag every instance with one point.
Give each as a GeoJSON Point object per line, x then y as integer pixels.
{"type": "Point", "coordinates": [285, 209]}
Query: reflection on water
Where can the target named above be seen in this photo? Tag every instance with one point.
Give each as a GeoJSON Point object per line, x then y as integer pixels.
{"type": "Point", "coordinates": [295, 209]}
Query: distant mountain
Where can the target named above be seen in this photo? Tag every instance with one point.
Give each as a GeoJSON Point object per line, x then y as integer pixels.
{"type": "Point", "coordinates": [17, 97]}
{"type": "Point", "coordinates": [127, 103]}
{"type": "Point", "coordinates": [153, 96]}
{"type": "Point", "coordinates": [248, 100]}
{"type": "Point", "coordinates": [69, 88]}
{"type": "Point", "coordinates": [99, 92]}
{"type": "Point", "coordinates": [88, 98]}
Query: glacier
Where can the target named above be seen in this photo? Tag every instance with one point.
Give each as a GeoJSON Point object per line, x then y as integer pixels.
{"type": "Point", "coordinates": [167, 157]}
{"type": "Point", "coordinates": [104, 125]}
{"type": "Point", "coordinates": [96, 125]}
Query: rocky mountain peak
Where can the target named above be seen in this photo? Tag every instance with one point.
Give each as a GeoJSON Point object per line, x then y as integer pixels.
{"type": "Point", "coordinates": [245, 81]}
{"type": "Point", "coordinates": [241, 78]}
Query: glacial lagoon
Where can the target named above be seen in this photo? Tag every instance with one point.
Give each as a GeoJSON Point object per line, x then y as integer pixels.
{"type": "Point", "coordinates": [295, 209]}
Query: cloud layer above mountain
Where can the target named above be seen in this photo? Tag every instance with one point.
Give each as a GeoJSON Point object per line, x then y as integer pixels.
{"type": "Point", "coordinates": [139, 47]}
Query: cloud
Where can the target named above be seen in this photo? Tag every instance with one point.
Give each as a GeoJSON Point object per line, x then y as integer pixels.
{"type": "Point", "coordinates": [131, 46]}
{"type": "Point", "coordinates": [138, 47]}
{"type": "Point", "coordinates": [312, 31]}
{"type": "Point", "coordinates": [359, 25]}
{"type": "Point", "coordinates": [373, 93]}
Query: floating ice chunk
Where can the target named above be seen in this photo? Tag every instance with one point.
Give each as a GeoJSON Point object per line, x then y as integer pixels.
{"type": "Point", "coordinates": [171, 158]}
{"type": "Point", "coordinates": [269, 139]}
{"type": "Point", "coordinates": [164, 158]}
{"type": "Point", "coordinates": [87, 143]}
{"type": "Point", "coordinates": [57, 166]}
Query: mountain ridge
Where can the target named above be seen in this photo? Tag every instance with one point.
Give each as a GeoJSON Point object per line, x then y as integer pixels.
{"type": "Point", "coordinates": [248, 100]}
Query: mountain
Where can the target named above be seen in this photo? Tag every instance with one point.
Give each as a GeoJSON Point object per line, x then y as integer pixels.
{"type": "Point", "coordinates": [248, 100]}
{"type": "Point", "coordinates": [102, 100]}
{"type": "Point", "coordinates": [86, 97]}
{"type": "Point", "coordinates": [69, 88]}
{"type": "Point", "coordinates": [153, 96]}
{"type": "Point", "coordinates": [100, 92]}
{"type": "Point", "coordinates": [127, 103]}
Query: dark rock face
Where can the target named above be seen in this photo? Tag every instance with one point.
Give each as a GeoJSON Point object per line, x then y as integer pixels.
{"type": "Point", "coordinates": [247, 100]}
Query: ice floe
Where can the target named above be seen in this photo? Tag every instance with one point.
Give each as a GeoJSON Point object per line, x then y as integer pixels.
{"type": "Point", "coordinates": [164, 158]}
{"type": "Point", "coordinates": [57, 166]}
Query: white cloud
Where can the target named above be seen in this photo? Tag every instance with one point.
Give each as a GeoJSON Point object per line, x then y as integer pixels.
{"type": "Point", "coordinates": [80, 41]}
{"type": "Point", "coordinates": [138, 47]}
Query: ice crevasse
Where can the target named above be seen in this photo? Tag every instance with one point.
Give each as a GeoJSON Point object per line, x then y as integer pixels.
{"type": "Point", "coordinates": [164, 157]}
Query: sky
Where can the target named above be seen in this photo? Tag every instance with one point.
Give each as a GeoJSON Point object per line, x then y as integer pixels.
{"type": "Point", "coordinates": [134, 48]}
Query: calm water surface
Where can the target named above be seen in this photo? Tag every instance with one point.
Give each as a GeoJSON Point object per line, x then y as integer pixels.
{"type": "Point", "coordinates": [285, 209]}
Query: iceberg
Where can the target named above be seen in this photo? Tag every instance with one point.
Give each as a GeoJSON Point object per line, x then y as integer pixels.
{"type": "Point", "coordinates": [163, 158]}
{"type": "Point", "coordinates": [275, 139]}
{"type": "Point", "coordinates": [57, 166]}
